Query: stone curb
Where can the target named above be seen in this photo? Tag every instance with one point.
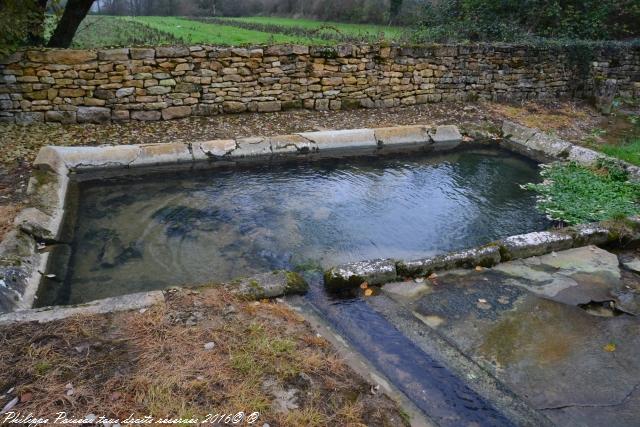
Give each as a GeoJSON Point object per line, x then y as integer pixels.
{"type": "Point", "coordinates": [272, 284]}
{"type": "Point", "coordinates": [62, 160]}
{"type": "Point", "coordinates": [106, 305]}
{"type": "Point", "coordinates": [537, 145]}
{"type": "Point", "coordinates": [379, 272]}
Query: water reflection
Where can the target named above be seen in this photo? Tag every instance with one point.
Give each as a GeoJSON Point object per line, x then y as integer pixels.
{"type": "Point", "coordinates": [141, 234]}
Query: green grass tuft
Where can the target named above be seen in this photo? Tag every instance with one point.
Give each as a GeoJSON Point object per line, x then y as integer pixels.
{"type": "Point", "coordinates": [629, 152]}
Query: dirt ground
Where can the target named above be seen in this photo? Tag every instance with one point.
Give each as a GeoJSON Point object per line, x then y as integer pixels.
{"type": "Point", "coordinates": [202, 352]}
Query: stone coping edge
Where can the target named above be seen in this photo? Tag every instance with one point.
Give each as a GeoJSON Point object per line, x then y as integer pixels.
{"type": "Point", "coordinates": [107, 305]}
{"type": "Point", "coordinates": [273, 284]}
{"type": "Point", "coordinates": [62, 160]}
{"type": "Point", "coordinates": [381, 271]}
{"type": "Point", "coordinates": [543, 147]}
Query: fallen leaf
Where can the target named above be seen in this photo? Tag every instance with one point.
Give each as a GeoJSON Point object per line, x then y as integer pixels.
{"type": "Point", "coordinates": [25, 397]}
{"type": "Point", "coordinates": [610, 347]}
{"type": "Point", "coordinates": [364, 285]}
{"type": "Point", "coordinates": [479, 268]}
{"type": "Point", "coordinates": [368, 292]}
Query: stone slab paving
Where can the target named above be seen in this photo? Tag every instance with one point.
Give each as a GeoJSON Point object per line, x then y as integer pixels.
{"type": "Point", "coordinates": [558, 330]}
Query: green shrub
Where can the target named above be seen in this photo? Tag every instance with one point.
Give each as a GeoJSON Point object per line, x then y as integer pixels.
{"type": "Point", "coordinates": [517, 20]}
{"type": "Point", "coordinates": [575, 194]}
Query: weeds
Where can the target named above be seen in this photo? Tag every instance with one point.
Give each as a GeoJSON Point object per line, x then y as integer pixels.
{"type": "Point", "coordinates": [575, 194]}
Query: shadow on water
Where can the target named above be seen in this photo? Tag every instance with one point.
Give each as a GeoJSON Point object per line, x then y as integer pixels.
{"type": "Point", "coordinates": [434, 389]}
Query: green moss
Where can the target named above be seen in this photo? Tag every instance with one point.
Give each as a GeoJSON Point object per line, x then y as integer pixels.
{"type": "Point", "coordinates": [505, 255]}
{"type": "Point", "coordinates": [296, 283]}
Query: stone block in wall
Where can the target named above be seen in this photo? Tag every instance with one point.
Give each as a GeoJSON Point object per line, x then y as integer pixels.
{"type": "Point", "coordinates": [205, 110]}
{"type": "Point", "coordinates": [279, 50]}
{"type": "Point", "coordinates": [120, 115]}
{"type": "Point", "coordinates": [322, 104]}
{"type": "Point", "coordinates": [158, 90]}
{"type": "Point", "coordinates": [146, 116]}
{"type": "Point", "coordinates": [176, 112]}
{"type": "Point", "coordinates": [269, 106]}
{"type": "Point", "coordinates": [292, 104]}
{"type": "Point", "coordinates": [234, 107]}
{"type": "Point", "coordinates": [125, 91]}
{"type": "Point", "coordinates": [187, 87]}
{"type": "Point", "coordinates": [93, 115]}
{"type": "Point", "coordinates": [114, 54]}
{"type": "Point", "coordinates": [142, 53]}
{"type": "Point", "coordinates": [65, 57]}
{"type": "Point", "coordinates": [60, 116]}
{"type": "Point", "coordinates": [29, 117]}
{"type": "Point", "coordinates": [172, 51]}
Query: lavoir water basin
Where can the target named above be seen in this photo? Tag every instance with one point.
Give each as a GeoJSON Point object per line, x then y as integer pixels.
{"type": "Point", "coordinates": [150, 232]}
{"type": "Point", "coordinates": [110, 227]}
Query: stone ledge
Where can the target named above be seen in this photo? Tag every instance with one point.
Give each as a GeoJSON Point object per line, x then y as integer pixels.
{"type": "Point", "coordinates": [532, 244]}
{"type": "Point", "coordinates": [536, 144]}
{"type": "Point", "coordinates": [374, 272]}
{"type": "Point", "coordinates": [63, 160]}
{"type": "Point", "coordinates": [107, 305]}
{"type": "Point", "coordinates": [513, 247]}
{"type": "Point", "coordinates": [485, 256]}
{"type": "Point", "coordinates": [349, 139]}
{"type": "Point", "coordinates": [269, 285]}
{"type": "Point", "coordinates": [403, 136]}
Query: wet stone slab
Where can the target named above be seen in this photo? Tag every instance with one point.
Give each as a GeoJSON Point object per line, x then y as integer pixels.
{"type": "Point", "coordinates": [529, 323]}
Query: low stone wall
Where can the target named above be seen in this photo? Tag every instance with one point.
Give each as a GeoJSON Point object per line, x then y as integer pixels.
{"type": "Point", "coordinates": [164, 83]}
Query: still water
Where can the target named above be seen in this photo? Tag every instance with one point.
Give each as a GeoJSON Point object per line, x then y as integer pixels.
{"type": "Point", "coordinates": [152, 232]}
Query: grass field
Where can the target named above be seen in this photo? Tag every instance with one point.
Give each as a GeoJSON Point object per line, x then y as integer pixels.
{"type": "Point", "coordinates": [103, 31]}
{"type": "Point", "coordinates": [201, 32]}
{"type": "Point", "coordinates": [111, 31]}
{"type": "Point", "coordinates": [356, 30]}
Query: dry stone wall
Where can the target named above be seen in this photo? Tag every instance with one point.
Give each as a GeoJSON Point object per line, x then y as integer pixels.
{"type": "Point", "coordinates": [163, 83]}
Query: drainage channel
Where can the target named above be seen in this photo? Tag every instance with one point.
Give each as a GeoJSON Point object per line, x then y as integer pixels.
{"type": "Point", "coordinates": [433, 388]}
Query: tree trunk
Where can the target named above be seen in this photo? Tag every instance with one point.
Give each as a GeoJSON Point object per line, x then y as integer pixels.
{"type": "Point", "coordinates": [74, 13]}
